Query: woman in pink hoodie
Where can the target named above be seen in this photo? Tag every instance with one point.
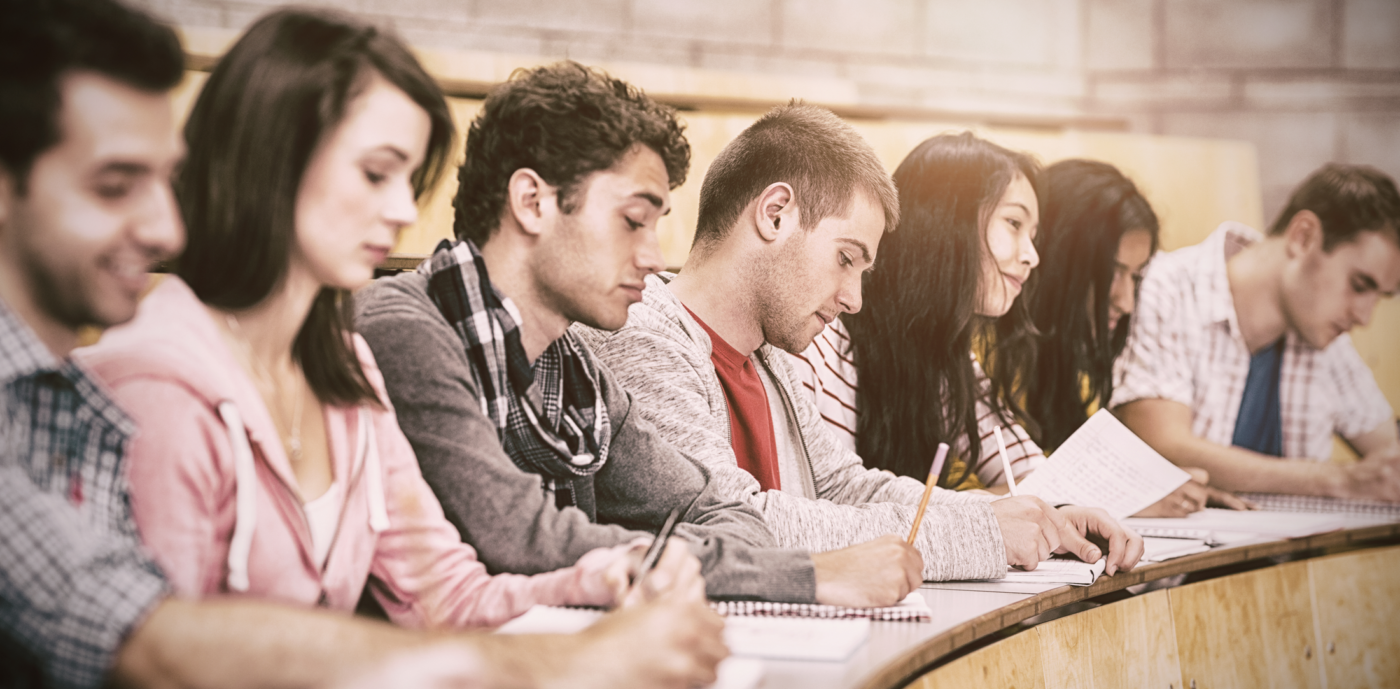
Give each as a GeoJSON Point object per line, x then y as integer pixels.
{"type": "Point", "coordinates": [268, 460]}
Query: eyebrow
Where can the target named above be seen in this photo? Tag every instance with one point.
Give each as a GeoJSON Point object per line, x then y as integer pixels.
{"type": "Point", "coordinates": [864, 250]}
{"type": "Point", "coordinates": [123, 168]}
{"type": "Point", "coordinates": [653, 198]}
{"type": "Point", "coordinates": [400, 154]}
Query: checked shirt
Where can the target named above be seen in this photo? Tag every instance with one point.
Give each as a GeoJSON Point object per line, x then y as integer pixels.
{"type": "Point", "coordinates": [73, 577]}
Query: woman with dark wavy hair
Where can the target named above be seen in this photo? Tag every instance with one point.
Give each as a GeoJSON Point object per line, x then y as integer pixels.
{"type": "Point", "coordinates": [947, 281]}
{"type": "Point", "coordinates": [1097, 233]}
{"type": "Point", "coordinates": [946, 293]}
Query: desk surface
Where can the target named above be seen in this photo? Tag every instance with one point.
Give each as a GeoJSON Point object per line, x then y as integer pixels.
{"type": "Point", "coordinates": [898, 652]}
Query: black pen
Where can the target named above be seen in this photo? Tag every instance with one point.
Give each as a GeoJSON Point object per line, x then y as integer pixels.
{"type": "Point", "coordinates": [658, 544]}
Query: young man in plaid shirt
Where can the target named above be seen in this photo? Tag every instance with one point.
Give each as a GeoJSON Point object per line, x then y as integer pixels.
{"type": "Point", "coordinates": [1239, 362]}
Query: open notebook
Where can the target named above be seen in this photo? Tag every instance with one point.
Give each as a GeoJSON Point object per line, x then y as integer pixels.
{"type": "Point", "coordinates": [1318, 504]}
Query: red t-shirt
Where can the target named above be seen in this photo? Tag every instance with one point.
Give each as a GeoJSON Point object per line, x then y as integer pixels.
{"type": "Point", "coordinates": [750, 423]}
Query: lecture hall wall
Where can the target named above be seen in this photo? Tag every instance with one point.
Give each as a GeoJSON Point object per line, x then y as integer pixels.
{"type": "Point", "coordinates": [1217, 108]}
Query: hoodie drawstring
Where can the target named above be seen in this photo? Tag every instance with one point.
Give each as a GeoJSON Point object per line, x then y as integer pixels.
{"type": "Point", "coordinates": [246, 503]}
{"type": "Point", "coordinates": [378, 515]}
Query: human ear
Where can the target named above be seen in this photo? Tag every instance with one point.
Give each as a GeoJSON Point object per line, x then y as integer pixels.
{"type": "Point", "coordinates": [773, 208]}
{"type": "Point", "coordinates": [1303, 233]}
{"type": "Point", "coordinates": [529, 199]}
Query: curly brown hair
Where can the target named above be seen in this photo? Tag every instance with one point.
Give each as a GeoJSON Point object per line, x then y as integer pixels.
{"type": "Point", "coordinates": [565, 121]}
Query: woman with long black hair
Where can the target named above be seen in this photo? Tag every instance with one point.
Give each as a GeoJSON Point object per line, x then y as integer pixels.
{"type": "Point", "coordinates": [944, 346]}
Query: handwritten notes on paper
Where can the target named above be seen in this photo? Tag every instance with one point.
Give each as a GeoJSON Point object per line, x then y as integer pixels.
{"type": "Point", "coordinates": [1105, 465]}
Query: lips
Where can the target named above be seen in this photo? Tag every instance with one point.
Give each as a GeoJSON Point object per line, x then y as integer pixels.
{"type": "Point", "coordinates": [1015, 281]}
{"type": "Point", "coordinates": [826, 320]}
{"type": "Point", "coordinates": [634, 292]}
{"type": "Point", "coordinates": [380, 253]}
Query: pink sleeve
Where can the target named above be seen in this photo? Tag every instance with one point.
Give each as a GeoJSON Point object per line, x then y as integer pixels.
{"type": "Point", "coordinates": [177, 483]}
{"type": "Point", "coordinates": [424, 575]}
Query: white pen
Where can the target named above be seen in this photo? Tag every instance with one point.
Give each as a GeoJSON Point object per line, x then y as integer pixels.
{"type": "Point", "coordinates": [1005, 463]}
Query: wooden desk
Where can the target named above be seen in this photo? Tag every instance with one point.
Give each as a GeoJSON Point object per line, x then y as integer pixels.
{"type": "Point", "coordinates": [1239, 618]}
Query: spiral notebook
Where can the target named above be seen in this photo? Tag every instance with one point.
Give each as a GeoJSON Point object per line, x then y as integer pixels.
{"type": "Point", "coordinates": [1318, 504]}
{"type": "Point", "coordinates": [911, 609]}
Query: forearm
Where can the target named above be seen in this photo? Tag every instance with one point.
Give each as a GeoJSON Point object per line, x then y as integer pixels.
{"type": "Point", "coordinates": [1166, 426]}
{"type": "Point", "coordinates": [230, 644]}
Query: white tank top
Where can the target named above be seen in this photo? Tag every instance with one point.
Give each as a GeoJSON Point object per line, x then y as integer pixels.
{"type": "Point", "coordinates": [322, 515]}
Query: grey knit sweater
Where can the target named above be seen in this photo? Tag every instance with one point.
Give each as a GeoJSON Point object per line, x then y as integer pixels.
{"type": "Point", "coordinates": [505, 513]}
{"type": "Point", "coordinates": [662, 357]}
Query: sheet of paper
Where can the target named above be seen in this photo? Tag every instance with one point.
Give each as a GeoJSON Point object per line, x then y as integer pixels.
{"type": "Point", "coordinates": [794, 638]}
{"type": "Point", "coordinates": [782, 638]}
{"type": "Point", "coordinates": [733, 672]}
{"type": "Point", "coordinates": [1104, 465]}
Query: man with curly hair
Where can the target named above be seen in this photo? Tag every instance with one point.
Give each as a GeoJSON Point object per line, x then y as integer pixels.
{"type": "Point", "coordinates": [530, 443]}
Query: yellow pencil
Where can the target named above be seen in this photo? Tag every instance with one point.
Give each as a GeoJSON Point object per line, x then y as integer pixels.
{"type": "Point", "coordinates": [933, 473]}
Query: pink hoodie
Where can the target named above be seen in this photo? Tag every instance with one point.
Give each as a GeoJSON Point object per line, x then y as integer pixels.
{"type": "Point", "coordinates": [217, 503]}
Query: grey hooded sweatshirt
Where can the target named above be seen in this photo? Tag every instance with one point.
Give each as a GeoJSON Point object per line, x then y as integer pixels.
{"type": "Point", "coordinates": [505, 513]}
{"type": "Point", "coordinates": [662, 357]}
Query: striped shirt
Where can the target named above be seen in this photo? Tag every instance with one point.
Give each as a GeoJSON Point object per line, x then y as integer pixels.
{"type": "Point", "coordinates": [1185, 346]}
{"type": "Point", "coordinates": [74, 578]}
{"type": "Point", "coordinates": [828, 373]}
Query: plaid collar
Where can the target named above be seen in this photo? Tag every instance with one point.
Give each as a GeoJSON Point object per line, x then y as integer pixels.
{"type": "Point", "coordinates": [550, 417]}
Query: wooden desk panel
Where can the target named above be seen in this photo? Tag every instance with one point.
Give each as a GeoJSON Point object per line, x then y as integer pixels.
{"type": "Point", "coordinates": [1358, 640]}
{"type": "Point", "coordinates": [897, 660]}
{"type": "Point", "coordinates": [1130, 643]}
{"type": "Point", "coordinates": [1248, 630]}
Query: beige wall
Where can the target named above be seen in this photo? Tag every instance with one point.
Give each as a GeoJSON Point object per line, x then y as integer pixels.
{"type": "Point", "coordinates": [1140, 66]}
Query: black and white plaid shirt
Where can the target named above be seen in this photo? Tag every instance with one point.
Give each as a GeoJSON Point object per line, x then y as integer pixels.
{"type": "Point", "coordinates": [73, 576]}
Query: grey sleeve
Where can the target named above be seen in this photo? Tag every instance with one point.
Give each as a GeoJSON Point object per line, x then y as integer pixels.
{"type": "Point", "coordinates": [497, 508]}
{"type": "Point", "coordinates": [503, 511]}
{"type": "Point", "coordinates": [646, 477]}
{"type": "Point", "coordinates": [960, 538]}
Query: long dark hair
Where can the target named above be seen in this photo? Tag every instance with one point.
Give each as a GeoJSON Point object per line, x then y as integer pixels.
{"type": "Point", "coordinates": [1087, 207]}
{"type": "Point", "coordinates": [913, 339]}
{"type": "Point", "coordinates": [267, 105]}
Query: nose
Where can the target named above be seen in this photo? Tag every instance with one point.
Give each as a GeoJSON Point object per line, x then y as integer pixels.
{"type": "Point", "coordinates": [647, 257]}
{"type": "Point", "coordinates": [1029, 256]}
{"type": "Point", "coordinates": [849, 298]}
{"type": "Point", "coordinates": [159, 229]}
{"type": "Point", "coordinates": [1121, 295]}
{"type": "Point", "coordinates": [401, 208]}
{"type": "Point", "coordinates": [1362, 308]}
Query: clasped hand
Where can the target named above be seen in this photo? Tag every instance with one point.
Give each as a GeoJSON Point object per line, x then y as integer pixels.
{"type": "Point", "coordinates": [1032, 531]}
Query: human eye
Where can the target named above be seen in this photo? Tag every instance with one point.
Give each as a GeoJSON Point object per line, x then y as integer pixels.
{"type": "Point", "coordinates": [1359, 286]}
{"type": "Point", "coordinates": [633, 224]}
{"type": "Point", "coordinates": [114, 185]}
{"type": "Point", "coordinates": [844, 259]}
{"type": "Point", "coordinates": [375, 177]}
{"type": "Point", "coordinates": [1015, 223]}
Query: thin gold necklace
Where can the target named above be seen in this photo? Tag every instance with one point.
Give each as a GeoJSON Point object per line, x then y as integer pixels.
{"type": "Point", "coordinates": [292, 443]}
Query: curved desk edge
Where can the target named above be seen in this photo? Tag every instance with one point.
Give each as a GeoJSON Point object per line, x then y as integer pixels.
{"type": "Point", "coordinates": [908, 665]}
